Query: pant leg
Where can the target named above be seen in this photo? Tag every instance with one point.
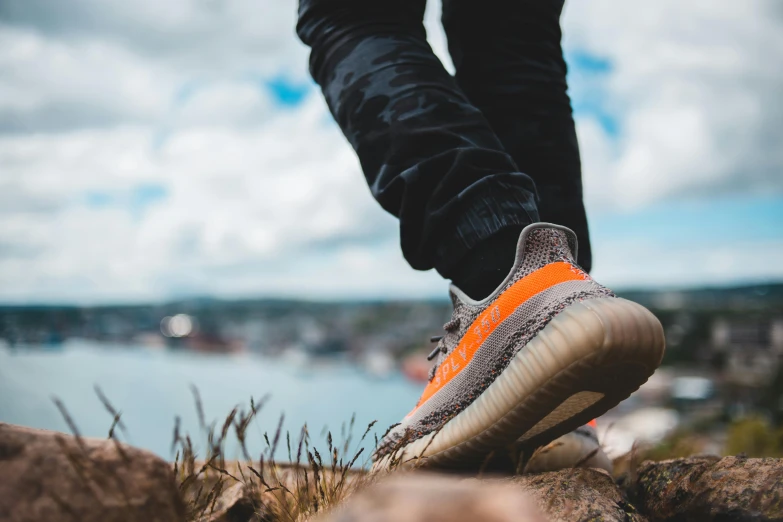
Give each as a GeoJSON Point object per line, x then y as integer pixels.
{"type": "Point", "coordinates": [429, 156]}
{"type": "Point", "coordinates": [510, 64]}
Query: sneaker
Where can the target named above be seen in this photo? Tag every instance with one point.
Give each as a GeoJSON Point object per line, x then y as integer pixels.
{"type": "Point", "coordinates": [549, 350]}
{"type": "Point", "coordinates": [578, 449]}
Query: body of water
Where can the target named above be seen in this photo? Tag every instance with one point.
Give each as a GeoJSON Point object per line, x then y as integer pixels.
{"type": "Point", "coordinates": [151, 388]}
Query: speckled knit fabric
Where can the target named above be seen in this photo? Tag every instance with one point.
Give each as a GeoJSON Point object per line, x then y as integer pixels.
{"type": "Point", "coordinates": [538, 247]}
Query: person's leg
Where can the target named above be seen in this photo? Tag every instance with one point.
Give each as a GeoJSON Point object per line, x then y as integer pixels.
{"type": "Point", "coordinates": [508, 371]}
{"type": "Point", "coordinates": [509, 63]}
{"type": "Point", "coordinates": [428, 154]}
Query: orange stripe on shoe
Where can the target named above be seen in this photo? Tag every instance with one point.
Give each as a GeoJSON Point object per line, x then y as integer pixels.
{"type": "Point", "coordinates": [593, 424]}
{"type": "Point", "coordinates": [528, 286]}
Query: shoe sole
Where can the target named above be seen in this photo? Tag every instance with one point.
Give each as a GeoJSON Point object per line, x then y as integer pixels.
{"type": "Point", "coordinates": [589, 358]}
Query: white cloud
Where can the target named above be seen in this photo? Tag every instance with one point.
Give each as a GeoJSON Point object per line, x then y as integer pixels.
{"type": "Point", "coordinates": [222, 104]}
{"type": "Point", "coordinates": [697, 99]}
{"type": "Point", "coordinates": [50, 84]}
{"type": "Point", "coordinates": [245, 210]}
{"type": "Point", "coordinates": [194, 35]}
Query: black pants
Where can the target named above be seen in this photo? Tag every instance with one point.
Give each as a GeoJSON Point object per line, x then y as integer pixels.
{"type": "Point", "coordinates": [456, 159]}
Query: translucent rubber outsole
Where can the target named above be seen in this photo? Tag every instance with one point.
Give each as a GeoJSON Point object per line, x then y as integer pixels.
{"type": "Point", "coordinates": [590, 356]}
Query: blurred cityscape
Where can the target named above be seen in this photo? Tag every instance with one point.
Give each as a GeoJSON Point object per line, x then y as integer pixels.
{"type": "Point", "coordinates": [723, 361]}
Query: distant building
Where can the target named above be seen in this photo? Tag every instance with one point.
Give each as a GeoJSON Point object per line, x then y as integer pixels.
{"type": "Point", "coordinates": [752, 350]}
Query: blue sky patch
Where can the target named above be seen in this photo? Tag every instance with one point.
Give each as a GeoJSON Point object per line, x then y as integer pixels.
{"type": "Point", "coordinates": [287, 92]}
{"type": "Point", "coordinates": [135, 200]}
{"type": "Point", "coordinates": [589, 63]}
{"type": "Point", "coordinates": [187, 91]}
{"type": "Point", "coordinates": [587, 74]}
{"type": "Point", "coordinates": [97, 199]}
{"type": "Point", "coordinates": [147, 194]}
{"type": "Point", "coordinates": [595, 109]}
{"type": "Point", "coordinates": [720, 219]}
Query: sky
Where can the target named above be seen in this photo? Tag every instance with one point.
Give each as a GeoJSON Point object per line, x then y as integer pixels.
{"type": "Point", "coordinates": [156, 150]}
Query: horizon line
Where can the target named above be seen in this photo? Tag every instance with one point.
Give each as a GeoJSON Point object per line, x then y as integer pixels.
{"type": "Point", "coordinates": [348, 299]}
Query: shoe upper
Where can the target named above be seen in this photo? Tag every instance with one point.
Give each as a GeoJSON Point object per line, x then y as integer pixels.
{"type": "Point", "coordinates": [482, 336]}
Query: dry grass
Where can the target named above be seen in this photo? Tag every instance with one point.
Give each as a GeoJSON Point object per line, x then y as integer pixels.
{"type": "Point", "coordinates": [317, 474]}
{"type": "Point", "coordinates": [315, 477]}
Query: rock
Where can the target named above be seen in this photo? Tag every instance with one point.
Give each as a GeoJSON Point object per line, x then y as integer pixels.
{"type": "Point", "coordinates": [52, 477]}
{"type": "Point", "coordinates": [234, 504]}
{"type": "Point", "coordinates": [578, 494]}
{"type": "Point", "coordinates": [427, 497]}
{"type": "Point", "coordinates": [709, 488]}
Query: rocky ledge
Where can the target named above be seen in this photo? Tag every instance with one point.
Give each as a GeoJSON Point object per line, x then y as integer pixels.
{"type": "Point", "coordinates": [55, 477]}
{"type": "Point", "coordinates": [52, 477]}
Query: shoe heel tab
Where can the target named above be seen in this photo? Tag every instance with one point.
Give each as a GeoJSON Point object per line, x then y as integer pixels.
{"type": "Point", "coordinates": [460, 297]}
{"type": "Point", "coordinates": [573, 244]}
